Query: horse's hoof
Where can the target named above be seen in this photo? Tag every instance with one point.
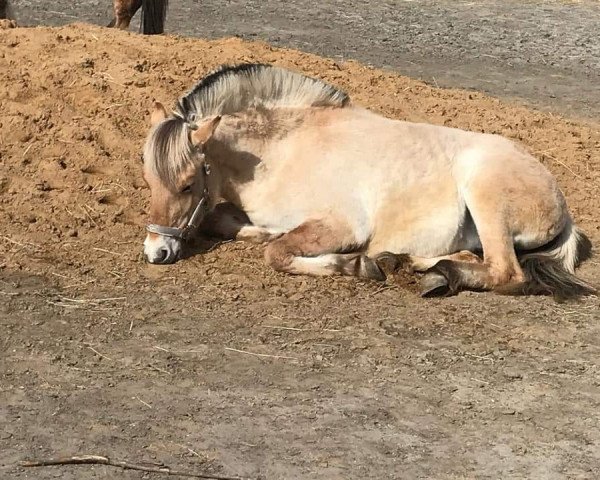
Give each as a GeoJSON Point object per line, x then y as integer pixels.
{"type": "Point", "coordinates": [391, 263]}
{"type": "Point", "coordinates": [371, 269]}
{"type": "Point", "coordinates": [434, 284]}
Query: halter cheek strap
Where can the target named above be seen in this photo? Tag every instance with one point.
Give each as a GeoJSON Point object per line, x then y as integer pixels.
{"type": "Point", "coordinates": [195, 219]}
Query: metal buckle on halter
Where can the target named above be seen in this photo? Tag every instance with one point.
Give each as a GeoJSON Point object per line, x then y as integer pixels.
{"type": "Point", "coordinates": [194, 221]}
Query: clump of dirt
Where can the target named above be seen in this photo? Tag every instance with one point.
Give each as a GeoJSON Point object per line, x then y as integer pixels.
{"type": "Point", "coordinates": [220, 361]}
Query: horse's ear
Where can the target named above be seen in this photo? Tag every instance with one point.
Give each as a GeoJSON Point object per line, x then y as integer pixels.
{"type": "Point", "coordinates": [159, 113]}
{"type": "Point", "coordinates": [205, 130]}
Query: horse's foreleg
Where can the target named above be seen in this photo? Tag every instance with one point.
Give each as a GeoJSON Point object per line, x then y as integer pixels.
{"type": "Point", "coordinates": [229, 222]}
{"type": "Point", "coordinates": [310, 249]}
{"type": "Point", "coordinates": [124, 12]}
{"type": "Point", "coordinates": [254, 234]}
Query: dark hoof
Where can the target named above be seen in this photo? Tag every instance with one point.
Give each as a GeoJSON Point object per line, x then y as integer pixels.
{"type": "Point", "coordinates": [434, 284]}
{"type": "Point", "coordinates": [370, 269]}
{"type": "Point", "coordinates": [391, 263]}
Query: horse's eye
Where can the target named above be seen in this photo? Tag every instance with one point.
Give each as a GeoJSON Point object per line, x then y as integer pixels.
{"type": "Point", "coordinates": [187, 189]}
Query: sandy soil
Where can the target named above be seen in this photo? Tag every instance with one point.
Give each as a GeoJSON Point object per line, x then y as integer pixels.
{"type": "Point", "coordinates": [102, 353]}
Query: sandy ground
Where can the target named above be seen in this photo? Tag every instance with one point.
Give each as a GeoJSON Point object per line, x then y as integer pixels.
{"type": "Point", "coordinates": [102, 353]}
{"type": "Point", "coordinates": [544, 52]}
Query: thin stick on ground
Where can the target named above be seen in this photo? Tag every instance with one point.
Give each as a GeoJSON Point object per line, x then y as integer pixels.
{"type": "Point", "coordinates": [101, 460]}
{"type": "Point", "coordinates": [108, 251]}
{"type": "Point", "coordinates": [14, 242]}
{"type": "Point", "coordinates": [264, 355]}
{"type": "Point", "coordinates": [158, 369]}
{"type": "Point", "coordinates": [98, 353]}
{"type": "Point", "coordinates": [281, 327]}
{"type": "Point", "coordinates": [91, 300]}
{"type": "Point", "coordinates": [381, 289]}
{"type": "Point", "coordinates": [27, 149]}
{"type": "Point", "coordinates": [58, 275]}
{"type": "Point", "coordinates": [142, 402]}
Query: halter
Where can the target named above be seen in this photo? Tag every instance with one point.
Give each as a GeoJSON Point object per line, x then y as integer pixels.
{"type": "Point", "coordinates": [194, 222]}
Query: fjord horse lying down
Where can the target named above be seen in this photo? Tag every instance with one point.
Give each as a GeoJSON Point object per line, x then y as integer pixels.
{"type": "Point", "coordinates": [336, 189]}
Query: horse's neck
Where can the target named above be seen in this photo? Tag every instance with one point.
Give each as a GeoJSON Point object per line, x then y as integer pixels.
{"type": "Point", "coordinates": [234, 157]}
{"type": "Point", "coordinates": [241, 144]}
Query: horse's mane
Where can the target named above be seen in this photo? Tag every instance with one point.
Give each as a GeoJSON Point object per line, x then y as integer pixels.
{"type": "Point", "coordinates": [232, 89]}
{"type": "Point", "coordinates": [227, 90]}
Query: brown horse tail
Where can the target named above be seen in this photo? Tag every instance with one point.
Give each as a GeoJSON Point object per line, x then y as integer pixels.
{"type": "Point", "coordinates": [154, 13]}
{"type": "Point", "coordinates": [549, 270]}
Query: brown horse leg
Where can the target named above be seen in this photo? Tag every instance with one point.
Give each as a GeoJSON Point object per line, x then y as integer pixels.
{"type": "Point", "coordinates": [154, 14]}
{"type": "Point", "coordinates": [124, 12]}
{"type": "Point", "coordinates": [432, 284]}
{"type": "Point", "coordinates": [310, 249]}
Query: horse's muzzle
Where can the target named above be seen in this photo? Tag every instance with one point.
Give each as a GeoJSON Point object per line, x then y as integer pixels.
{"type": "Point", "coordinates": [161, 250]}
{"type": "Point", "coordinates": [162, 257]}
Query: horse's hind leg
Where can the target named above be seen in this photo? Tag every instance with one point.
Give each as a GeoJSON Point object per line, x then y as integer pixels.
{"type": "Point", "coordinates": [124, 12]}
{"type": "Point", "coordinates": [311, 249]}
{"type": "Point", "coordinates": [500, 265]}
{"type": "Point", "coordinates": [393, 262]}
{"type": "Point", "coordinates": [433, 284]}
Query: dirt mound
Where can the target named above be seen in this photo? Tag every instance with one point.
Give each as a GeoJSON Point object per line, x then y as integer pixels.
{"type": "Point", "coordinates": [220, 361]}
{"type": "Point", "coordinates": [74, 110]}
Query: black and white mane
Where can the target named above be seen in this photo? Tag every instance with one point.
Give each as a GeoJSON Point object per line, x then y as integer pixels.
{"type": "Point", "coordinates": [228, 90]}
{"type": "Point", "coordinates": [232, 89]}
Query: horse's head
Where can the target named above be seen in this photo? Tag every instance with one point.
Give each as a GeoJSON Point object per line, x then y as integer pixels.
{"type": "Point", "coordinates": [176, 172]}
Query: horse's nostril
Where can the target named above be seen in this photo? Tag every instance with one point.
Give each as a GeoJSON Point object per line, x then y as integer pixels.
{"type": "Point", "coordinates": [162, 255]}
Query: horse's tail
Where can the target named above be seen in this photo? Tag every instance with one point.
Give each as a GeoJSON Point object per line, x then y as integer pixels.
{"type": "Point", "coordinates": [154, 13]}
{"type": "Point", "coordinates": [549, 270]}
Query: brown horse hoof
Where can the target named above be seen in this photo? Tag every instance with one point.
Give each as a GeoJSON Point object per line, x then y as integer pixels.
{"type": "Point", "coordinates": [391, 263]}
{"type": "Point", "coordinates": [434, 284]}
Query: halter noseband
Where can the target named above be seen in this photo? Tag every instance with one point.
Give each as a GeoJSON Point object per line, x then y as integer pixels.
{"type": "Point", "coordinates": [194, 222]}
